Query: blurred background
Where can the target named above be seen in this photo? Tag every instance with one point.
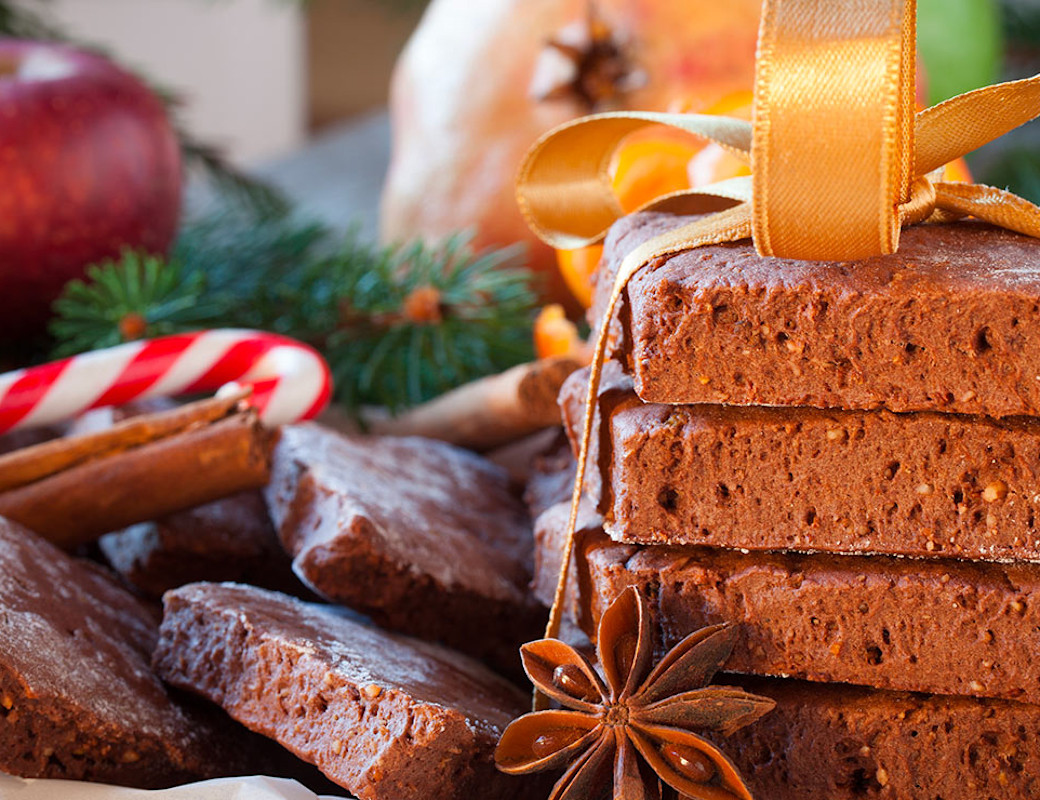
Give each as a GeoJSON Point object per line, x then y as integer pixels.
{"type": "Point", "coordinates": [259, 77]}
{"type": "Point", "coordinates": [295, 91]}
{"type": "Point", "coordinates": [317, 200]}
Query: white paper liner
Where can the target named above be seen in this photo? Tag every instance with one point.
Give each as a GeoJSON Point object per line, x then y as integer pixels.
{"type": "Point", "coordinates": [251, 788]}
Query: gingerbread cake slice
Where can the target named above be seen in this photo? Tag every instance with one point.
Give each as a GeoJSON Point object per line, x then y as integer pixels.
{"type": "Point", "coordinates": [424, 537]}
{"type": "Point", "coordinates": [949, 323]}
{"type": "Point", "coordinates": [229, 540]}
{"type": "Point", "coordinates": [387, 717]}
{"type": "Point", "coordinates": [27, 437]}
{"type": "Point", "coordinates": [848, 743]}
{"type": "Point", "coordinates": [919, 484]}
{"type": "Point", "coordinates": [78, 698]}
{"type": "Point", "coordinates": [939, 626]}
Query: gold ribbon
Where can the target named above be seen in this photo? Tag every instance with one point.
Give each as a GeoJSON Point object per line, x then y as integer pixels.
{"type": "Point", "coordinates": [839, 162]}
{"type": "Point", "coordinates": [861, 127]}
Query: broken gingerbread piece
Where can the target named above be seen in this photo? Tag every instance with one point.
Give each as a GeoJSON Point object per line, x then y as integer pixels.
{"type": "Point", "coordinates": [227, 540]}
{"type": "Point", "coordinates": [424, 537]}
{"type": "Point", "coordinates": [551, 476]}
{"type": "Point", "coordinates": [78, 698]}
{"type": "Point", "coordinates": [385, 716]}
{"type": "Point", "coordinates": [27, 437]}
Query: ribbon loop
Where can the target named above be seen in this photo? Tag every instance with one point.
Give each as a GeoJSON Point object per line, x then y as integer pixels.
{"type": "Point", "coordinates": [833, 127]}
{"type": "Point", "coordinates": [564, 185]}
{"type": "Point", "coordinates": [968, 121]}
{"type": "Point", "coordinates": [921, 204]}
{"type": "Point", "coordinates": [989, 204]}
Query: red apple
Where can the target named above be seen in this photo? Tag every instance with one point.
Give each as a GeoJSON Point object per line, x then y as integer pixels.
{"type": "Point", "coordinates": [89, 165]}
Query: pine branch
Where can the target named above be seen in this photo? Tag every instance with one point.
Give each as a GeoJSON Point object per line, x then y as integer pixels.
{"type": "Point", "coordinates": [403, 325]}
{"type": "Point", "coordinates": [245, 256]}
{"type": "Point", "coordinates": [398, 325]}
{"type": "Point", "coordinates": [128, 299]}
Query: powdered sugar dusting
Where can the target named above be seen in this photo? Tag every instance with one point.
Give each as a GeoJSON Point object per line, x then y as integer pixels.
{"type": "Point", "coordinates": [356, 652]}
{"type": "Point", "coordinates": [433, 509]}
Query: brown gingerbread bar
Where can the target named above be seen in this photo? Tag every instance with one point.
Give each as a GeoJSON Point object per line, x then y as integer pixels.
{"type": "Point", "coordinates": [941, 625]}
{"type": "Point", "coordinates": [78, 699]}
{"type": "Point", "coordinates": [551, 478]}
{"type": "Point", "coordinates": [919, 484]}
{"type": "Point", "coordinates": [548, 554]}
{"type": "Point", "coordinates": [845, 742]}
{"type": "Point", "coordinates": [830, 742]}
{"type": "Point", "coordinates": [949, 323]}
{"type": "Point", "coordinates": [385, 716]}
{"type": "Point", "coordinates": [521, 459]}
{"type": "Point", "coordinates": [424, 537]}
{"type": "Point", "coordinates": [228, 540]}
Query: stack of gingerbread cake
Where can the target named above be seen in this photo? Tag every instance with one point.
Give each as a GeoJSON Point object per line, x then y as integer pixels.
{"type": "Point", "coordinates": [843, 459]}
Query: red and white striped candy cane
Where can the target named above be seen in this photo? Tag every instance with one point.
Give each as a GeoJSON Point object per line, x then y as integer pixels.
{"type": "Point", "coordinates": [290, 381]}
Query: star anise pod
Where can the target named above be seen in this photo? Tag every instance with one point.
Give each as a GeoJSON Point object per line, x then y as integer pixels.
{"type": "Point", "coordinates": [637, 722]}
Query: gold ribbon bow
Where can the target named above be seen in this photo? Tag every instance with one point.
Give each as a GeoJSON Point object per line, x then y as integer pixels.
{"type": "Point", "coordinates": [840, 163]}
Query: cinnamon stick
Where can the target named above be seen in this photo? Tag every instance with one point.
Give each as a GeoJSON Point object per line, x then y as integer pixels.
{"type": "Point", "coordinates": [72, 490]}
{"type": "Point", "coordinates": [33, 463]}
{"type": "Point", "coordinates": [489, 412]}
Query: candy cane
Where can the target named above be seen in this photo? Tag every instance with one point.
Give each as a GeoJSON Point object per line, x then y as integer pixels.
{"type": "Point", "coordinates": [290, 381]}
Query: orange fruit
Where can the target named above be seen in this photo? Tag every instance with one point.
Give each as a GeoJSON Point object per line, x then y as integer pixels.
{"type": "Point", "coordinates": [555, 335]}
{"type": "Point", "coordinates": [957, 172]}
{"type": "Point", "coordinates": [577, 267]}
{"type": "Point", "coordinates": [653, 162]}
{"type": "Point", "coordinates": [652, 165]}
